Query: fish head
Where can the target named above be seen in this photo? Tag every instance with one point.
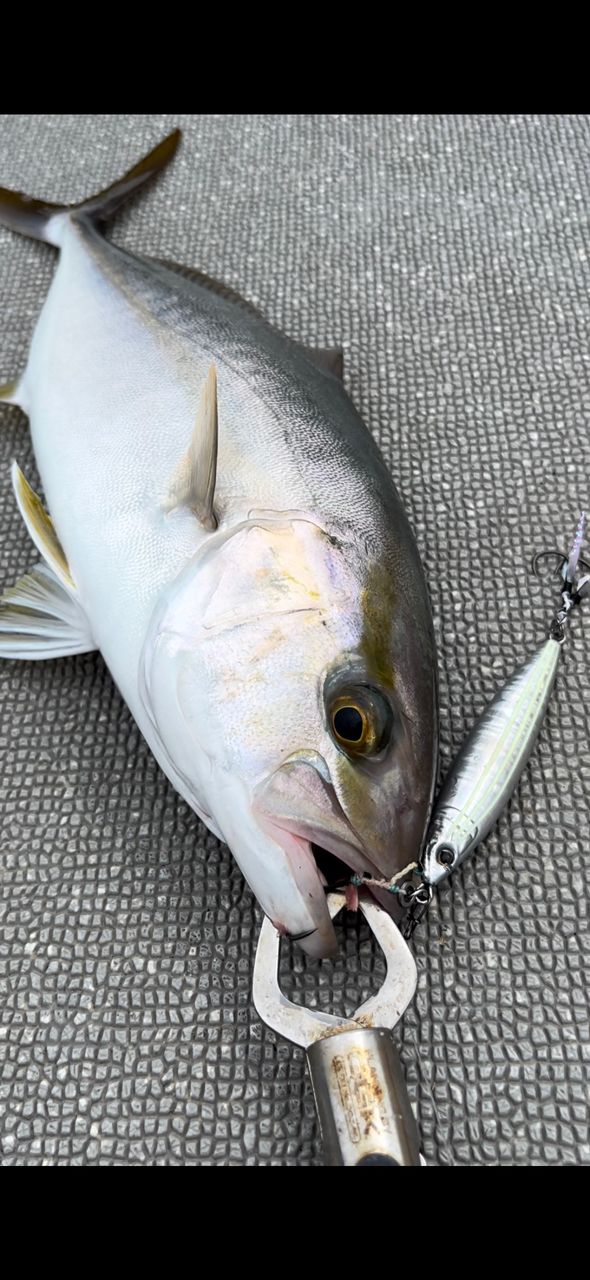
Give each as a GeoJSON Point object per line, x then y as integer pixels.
{"type": "Point", "coordinates": [291, 714]}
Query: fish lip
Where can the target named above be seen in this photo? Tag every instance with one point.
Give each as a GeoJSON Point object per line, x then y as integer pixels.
{"type": "Point", "coordinates": [296, 840]}
{"type": "Point", "coordinates": [298, 807]}
{"type": "Point", "coordinates": [353, 855]}
{"type": "Point", "coordinates": [319, 942]}
{"type": "Point", "coordinates": [310, 787]}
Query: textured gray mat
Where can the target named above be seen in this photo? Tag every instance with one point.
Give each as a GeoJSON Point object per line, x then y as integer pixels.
{"type": "Point", "coordinates": [451, 257]}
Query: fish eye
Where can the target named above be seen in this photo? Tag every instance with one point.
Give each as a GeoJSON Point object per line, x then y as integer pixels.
{"type": "Point", "coordinates": [350, 724]}
{"type": "Point", "coordinates": [360, 720]}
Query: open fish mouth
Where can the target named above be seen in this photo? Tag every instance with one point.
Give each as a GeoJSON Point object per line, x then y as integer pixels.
{"type": "Point", "coordinates": [299, 808]}
{"type": "Point", "coordinates": [334, 871]}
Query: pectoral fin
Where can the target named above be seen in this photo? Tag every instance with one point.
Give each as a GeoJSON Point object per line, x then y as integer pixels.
{"type": "Point", "coordinates": [40, 619]}
{"type": "Point", "coordinates": [193, 484]}
{"type": "Point", "coordinates": [40, 527]}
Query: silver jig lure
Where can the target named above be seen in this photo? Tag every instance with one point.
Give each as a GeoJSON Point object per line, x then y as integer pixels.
{"type": "Point", "coordinates": [494, 755]}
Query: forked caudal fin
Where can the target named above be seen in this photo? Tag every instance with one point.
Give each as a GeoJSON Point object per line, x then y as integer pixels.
{"type": "Point", "coordinates": [43, 220]}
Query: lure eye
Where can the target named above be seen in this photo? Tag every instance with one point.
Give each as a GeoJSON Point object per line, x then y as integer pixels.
{"type": "Point", "coordinates": [445, 855]}
{"type": "Point", "coordinates": [360, 720]}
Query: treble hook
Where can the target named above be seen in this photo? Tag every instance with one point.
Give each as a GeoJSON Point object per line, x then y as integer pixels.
{"type": "Point", "coordinates": [568, 567]}
{"type": "Point", "coordinates": [558, 558]}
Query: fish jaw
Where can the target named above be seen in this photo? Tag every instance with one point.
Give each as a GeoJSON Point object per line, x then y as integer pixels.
{"type": "Point", "coordinates": [280, 869]}
{"type": "Point", "coordinates": [299, 799]}
{"type": "Point", "coordinates": [299, 806]}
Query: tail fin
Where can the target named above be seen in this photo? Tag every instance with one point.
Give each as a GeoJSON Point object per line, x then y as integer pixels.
{"type": "Point", "coordinates": [42, 220]}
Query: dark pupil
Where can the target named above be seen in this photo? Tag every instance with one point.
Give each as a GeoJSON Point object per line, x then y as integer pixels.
{"type": "Point", "coordinates": [348, 723]}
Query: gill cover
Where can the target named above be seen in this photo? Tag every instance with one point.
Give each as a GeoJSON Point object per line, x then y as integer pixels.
{"type": "Point", "coordinates": [230, 674]}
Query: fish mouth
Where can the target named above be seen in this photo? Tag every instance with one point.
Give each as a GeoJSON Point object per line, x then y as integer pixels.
{"type": "Point", "coordinates": [334, 871]}
{"type": "Point", "coordinates": [299, 808]}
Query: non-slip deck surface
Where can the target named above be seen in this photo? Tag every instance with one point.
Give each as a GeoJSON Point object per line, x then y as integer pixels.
{"type": "Point", "coordinates": [450, 257]}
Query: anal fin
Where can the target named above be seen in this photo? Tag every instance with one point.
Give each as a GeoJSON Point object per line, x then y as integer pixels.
{"type": "Point", "coordinates": [40, 619]}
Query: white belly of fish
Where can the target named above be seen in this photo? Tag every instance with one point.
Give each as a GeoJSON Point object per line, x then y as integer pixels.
{"type": "Point", "coordinates": [109, 421]}
{"type": "Point", "coordinates": [111, 411]}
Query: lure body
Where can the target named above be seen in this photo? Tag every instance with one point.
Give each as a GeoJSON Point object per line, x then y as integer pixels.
{"type": "Point", "coordinates": [490, 764]}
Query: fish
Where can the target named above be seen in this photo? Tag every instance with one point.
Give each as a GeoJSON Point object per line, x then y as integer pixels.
{"type": "Point", "coordinates": [221, 526]}
{"type": "Point", "coordinates": [489, 765]}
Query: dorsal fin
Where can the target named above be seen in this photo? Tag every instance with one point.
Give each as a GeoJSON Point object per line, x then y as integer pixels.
{"type": "Point", "coordinates": [328, 359]}
{"type": "Point", "coordinates": [40, 527]}
{"type": "Point", "coordinates": [193, 484]}
{"type": "Point", "coordinates": [207, 282]}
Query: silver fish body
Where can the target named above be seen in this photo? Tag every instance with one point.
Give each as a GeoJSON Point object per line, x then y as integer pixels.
{"type": "Point", "coordinates": [269, 629]}
{"type": "Point", "coordinates": [489, 765]}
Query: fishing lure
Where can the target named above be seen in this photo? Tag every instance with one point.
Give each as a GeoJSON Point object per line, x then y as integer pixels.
{"type": "Point", "coordinates": [496, 751]}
